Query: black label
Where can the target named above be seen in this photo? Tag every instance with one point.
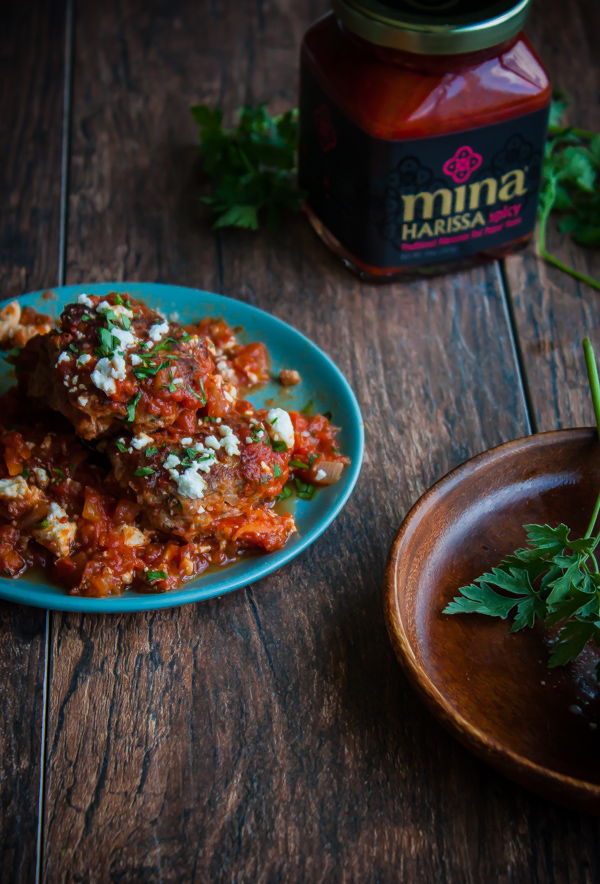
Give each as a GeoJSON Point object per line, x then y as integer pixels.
{"type": "Point", "coordinates": [421, 200]}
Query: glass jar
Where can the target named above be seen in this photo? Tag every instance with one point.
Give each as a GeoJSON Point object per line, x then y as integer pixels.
{"type": "Point", "coordinates": [422, 127]}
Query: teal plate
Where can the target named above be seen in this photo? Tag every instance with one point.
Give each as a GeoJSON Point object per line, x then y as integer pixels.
{"type": "Point", "coordinates": [321, 381]}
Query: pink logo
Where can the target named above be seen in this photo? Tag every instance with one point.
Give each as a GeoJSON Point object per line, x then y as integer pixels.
{"type": "Point", "coordinates": [462, 164]}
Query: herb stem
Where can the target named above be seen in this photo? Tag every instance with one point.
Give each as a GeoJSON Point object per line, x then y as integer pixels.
{"type": "Point", "coordinates": [592, 371]}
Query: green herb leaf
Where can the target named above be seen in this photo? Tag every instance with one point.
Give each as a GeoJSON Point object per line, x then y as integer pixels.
{"type": "Point", "coordinates": [277, 445]}
{"type": "Point", "coordinates": [286, 492]}
{"type": "Point", "coordinates": [150, 452]}
{"type": "Point", "coordinates": [276, 471]}
{"type": "Point", "coordinates": [156, 575]}
{"type": "Point", "coordinates": [252, 167]}
{"type": "Point", "coordinates": [298, 465]}
{"type": "Point", "coordinates": [131, 408]}
{"type": "Point", "coordinates": [144, 471]}
{"type": "Point", "coordinates": [120, 446]}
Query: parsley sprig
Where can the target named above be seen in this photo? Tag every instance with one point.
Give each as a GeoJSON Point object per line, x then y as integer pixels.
{"type": "Point", "coordinates": [555, 578]}
{"type": "Point", "coordinates": [570, 186]}
{"type": "Point", "coordinates": [253, 166]}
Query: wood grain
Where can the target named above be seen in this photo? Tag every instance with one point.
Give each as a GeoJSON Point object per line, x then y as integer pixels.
{"type": "Point", "coordinates": [269, 735]}
{"type": "Point", "coordinates": [31, 69]}
{"type": "Point", "coordinates": [554, 312]}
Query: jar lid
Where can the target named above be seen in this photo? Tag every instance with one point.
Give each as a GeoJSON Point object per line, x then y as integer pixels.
{"type": "Point", "coordinates": [434, 27]}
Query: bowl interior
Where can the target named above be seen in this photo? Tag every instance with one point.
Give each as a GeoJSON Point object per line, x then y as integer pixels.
{"type": "Point", "coordinates": [494, 689]}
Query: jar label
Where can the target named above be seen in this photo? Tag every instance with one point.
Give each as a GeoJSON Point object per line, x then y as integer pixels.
{"type": "Point", "coordinates": [422, 200]}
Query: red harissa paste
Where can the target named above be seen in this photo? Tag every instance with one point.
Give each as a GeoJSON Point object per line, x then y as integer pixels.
{"type": "Point", "coordinates": [422, 127]}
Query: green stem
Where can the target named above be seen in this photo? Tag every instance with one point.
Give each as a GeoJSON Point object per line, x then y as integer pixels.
{"type": "Point", "coordinates": [566, 269]}
{"type": "Point", "coordinates": [592, 524]}
{"type": "Point", "coordinates": [594, 381]}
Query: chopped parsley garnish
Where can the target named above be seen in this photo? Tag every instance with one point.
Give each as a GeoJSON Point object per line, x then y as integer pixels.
{"type": "Point", "coordinates": [25, 473]}
{"type": "Point", "coordinates": [108, 343]}
{"type": "Point", "coordinates": [85, 317]}
{"type": "Point", "coordinates": [156, 575]}
{"type": "Point", "coordinates": [120, 446]}
{"type": "Point", "coordinates": [308, 407]}
{"type": "Point", "coordinates": [118, 300]}
{"type": "Point", "coordinates": [59, 472]}
{"type": "Point", "coordinates": [304, 490]}
{"type": "Point", "coordinates": [279, 445]}
{"type": "Point", "coordinates": [312, 458]}
{"type": "Point", "coordinates": [144, 471]}
{"type": "Point", "coordinates": [131, 408]}
{"type": "Point", "coordinates": [277, 471]}
{"type": "Point", "coordinates": [148, 371]}
{"type": "Point", "coordinates": [298, 465]}
{"type": "Point", "coordinates": [151, 451]}
{"type": "Point", "coordinates": [264, 480]}
{"type": "Point", "coordinates": [43, 524]}
{"type": "Point", "coordinates": [126, 322]}
{"type": "Point", "coordinates": [73, 348]}
{"type": "Point", "coordinates": [286, 492]}
{"type": "Point", "coordinates": [335, 450]}
{"type": "Point", "coordinates": [185, 338]}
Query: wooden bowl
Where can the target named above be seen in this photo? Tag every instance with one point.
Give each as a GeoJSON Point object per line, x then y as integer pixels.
{"type": "Point", "coordinates": [493, 690]}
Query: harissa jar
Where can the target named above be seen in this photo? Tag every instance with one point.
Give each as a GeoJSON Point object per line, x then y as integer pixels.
{"type": "Point", "coordinates": [422, 127]}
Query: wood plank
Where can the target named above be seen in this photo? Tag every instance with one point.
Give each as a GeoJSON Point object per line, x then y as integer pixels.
{"type": "Point", "coordinates": [554, 312]}
{"type": "Point", "coordinates": [31, 70]}
{"type": "Point", "coordinates": [269, 735]}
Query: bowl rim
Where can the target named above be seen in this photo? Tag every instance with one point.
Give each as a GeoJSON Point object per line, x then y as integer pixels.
{"type": "Point", "coordinates": [474, 738]}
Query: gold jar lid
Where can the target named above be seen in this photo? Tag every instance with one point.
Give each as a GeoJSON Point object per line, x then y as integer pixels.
{"type": "Point", "coordinates": [434, 27]}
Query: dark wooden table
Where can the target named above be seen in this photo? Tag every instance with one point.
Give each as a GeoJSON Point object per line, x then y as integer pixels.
{"type": "Point", "coordinates": [269, 735]}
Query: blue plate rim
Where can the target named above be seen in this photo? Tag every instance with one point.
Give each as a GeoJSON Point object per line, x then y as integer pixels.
{"type": "Point", "coordinates": [258, 567]}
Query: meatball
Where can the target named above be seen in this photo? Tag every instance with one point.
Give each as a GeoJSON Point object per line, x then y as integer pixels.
{"type": "Point", "coordinates": [113, 362]}
{"type": "Point", "coordinates": [197, 485]}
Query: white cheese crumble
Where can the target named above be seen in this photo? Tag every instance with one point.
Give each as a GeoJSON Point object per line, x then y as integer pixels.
{"type": "Point", "coordinates": [230, 441]}
{"type": "Point", "coordinates": [135, 359]}
{"type": "Point", "coordinates": [64, 357]}
{"type": "Point", "coordinates": [132, 535]}
{"type": "Point", "coordinates": [14, 489]}
{"type": "Point", "coordinates": [84, 359]}
{"type": "Point", "coordinates": [85, 300]}
{"type": "Point", "coordinates": [141, 441]}
{"type": "Point", "coordinates": [187, 441]}
{"type": "Point", "coordinates": [58, 533]}
{"type": "Point", "coordinates": [125, 338]}
{"type": "Point", "coordinates": [171, 462]}
{"type": "Point", "coordinates": [102, 376]}
{"type": "Point", "coordinates": [212, 442]}
{"type": "Point", "coordinates": [190, 484]}
{"type": "Point", "coordinates": [159, 331]}
{"type": "Point", "coordinates": [282, 429]}
{"type": "Point", "coordinates": [321, 475]}
{"type": "Point", "coordinates": [206, 462]}
{"type": "Point", "coordinates": [83, 401]}
{"type": "Point", "coordinates": [41, 476]}
{"type": "Point", "coordinates": [118, 309]}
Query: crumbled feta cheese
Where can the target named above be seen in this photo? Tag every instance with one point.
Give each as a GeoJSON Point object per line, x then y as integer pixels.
{"type": "Point", "coordinates": [83, 401]}
{"type": "Point", "coordinates": [264, 466]}
{"type": "Point", "coordinates": [321, 475]}
{"type": "Point", "coordinates": [101, 376]}
{"type": "Point", "coordinates": [141, 441]}
{"type": "Point", "coordinates": [206, 462]}
{"type": "Point", "coordinates": [212, 442]}
{"type": "Point", "coordinates": [159, 331]}
{"type": "Point", "coordinates": [230, 441]}
{"type": "Point", "coordinates": [228, 396]}
{"type": "Point", "coordinates": [84, 359]}
{"type": "Point", "coordinates": [119, 369]}
{"type": "Point", "coordinates": [171, 461]}
{"type": "Point", "coordinates": [64, 357]}
{"type": "Point", "coordinates": [248, 440]}
{"type": "Point", "coordinates": [118, 309]}
{"type": "Point", "coordinates": [76, 379]}
{"type": "Point", "coordinates": [14, 489]}
{"type": "Point", "coordinates": [125, 338]}
{"type": "Point", "coordinates": [56, 532]}
{"type": "Point", "coordinates": [41, 476]}
{"type": "Point", "coordinates": [190, 484]}
{"type": "Point", "coordinates": [85, 300]}
{"type": "Point", "coordinates": [135, 359]}
{"type": "Point", "coordinates": [282, 429]}
{"type": "Point", "coordinates": [132, 536]}
{"type": "Point", "coordinates": [187, 441]}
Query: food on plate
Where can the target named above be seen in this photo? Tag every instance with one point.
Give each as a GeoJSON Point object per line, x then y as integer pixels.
{"type": "Point", "coordinates": [129, 457]}
{"type": "Point", "coordinates": [289, 377]}
{"type": "Point", "coordinates": [19, 326]}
